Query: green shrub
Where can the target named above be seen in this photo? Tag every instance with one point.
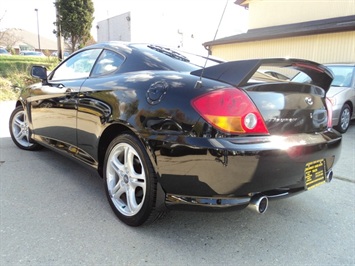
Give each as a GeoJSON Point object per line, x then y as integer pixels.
{"type": "Point", "coordinates": [19, 63]}
{"type": "Point", "coordinates": [7, 92]}
{"type": "Point", "coordinates": [15, 73]}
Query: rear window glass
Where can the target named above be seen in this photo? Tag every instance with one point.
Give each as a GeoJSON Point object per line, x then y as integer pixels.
{"type": "Point", "coordinates": [173, 59]}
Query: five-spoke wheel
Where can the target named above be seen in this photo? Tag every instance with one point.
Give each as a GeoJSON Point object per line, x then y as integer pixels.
{"type": "Point", "coordinates": [19, 130]}
{"type": "Point", "coordinates": [130, 181]}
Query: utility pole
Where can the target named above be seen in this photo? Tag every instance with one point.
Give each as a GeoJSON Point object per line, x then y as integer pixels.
{"type": "Point", "coordinates": [59, 35]}
{"type": "Point", "coordinates": [39, 39]}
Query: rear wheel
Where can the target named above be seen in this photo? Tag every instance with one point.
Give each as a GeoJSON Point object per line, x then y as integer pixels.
{"type": "Point", "coordinates": [344, 119]}
{"type": "Point", "coordinates": [130, 182]}
{"type": "Point", "coordinates": [19, 131]}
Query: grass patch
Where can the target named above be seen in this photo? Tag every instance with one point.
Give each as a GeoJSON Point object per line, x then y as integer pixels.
{"type": "Point", "coordinates": [15, 73]}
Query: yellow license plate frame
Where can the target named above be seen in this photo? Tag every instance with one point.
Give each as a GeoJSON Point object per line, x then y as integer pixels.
{"type": "Point", "coordinates": [314, 174]}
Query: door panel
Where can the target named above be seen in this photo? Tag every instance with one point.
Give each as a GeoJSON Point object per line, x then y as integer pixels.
{"type": "Point", "coordinates": [53, 109]}
{"type": "Point", "coordinates": [96, 102]}
{"type": "Point", "coordinates": [54, 103]}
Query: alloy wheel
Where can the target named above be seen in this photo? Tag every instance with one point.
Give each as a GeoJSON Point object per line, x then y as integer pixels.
{"type": "Point", "coordinates": [126, 179]}
{"type": "Point", "coordinates": [345, 119]}
{"type": "Point", "coordinates": [19, 130]}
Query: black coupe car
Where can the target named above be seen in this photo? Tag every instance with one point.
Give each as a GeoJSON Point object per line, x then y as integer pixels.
{"type": "Point", "coordinates": [165, 132]}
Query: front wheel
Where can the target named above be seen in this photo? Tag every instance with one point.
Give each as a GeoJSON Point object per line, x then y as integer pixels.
{"type": "Point", "coordinates": [130, 181]}
{"type": "Point", "coordinates": [19, 131]}
{"type": "Point", "coordinates": [344, 119]}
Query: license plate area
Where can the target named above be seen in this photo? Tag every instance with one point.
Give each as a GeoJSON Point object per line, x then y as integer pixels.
{"type": "Point", "coordinates": [314, 173]}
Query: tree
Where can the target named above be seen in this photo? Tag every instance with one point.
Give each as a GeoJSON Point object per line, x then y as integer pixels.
{"type": "Point", "coordinates": [75, 21]}
{"type": "Point", "coordinates": [2, 32]}
{"type": "Point", "coordinates": [89, 41]}
{"type": "Point", "coordinates": [10, 37]}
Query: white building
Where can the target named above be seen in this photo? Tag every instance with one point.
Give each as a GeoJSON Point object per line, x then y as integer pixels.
{"type": "Point", "coordinates": [170, 24]}
{"type": "Point", "coordinates": [117, 28]}
{"type": "Point", "coordinates": [136, 26]}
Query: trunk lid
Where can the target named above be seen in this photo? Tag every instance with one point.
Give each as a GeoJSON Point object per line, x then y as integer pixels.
{"type": "Point", "coordinates": [286, 107]}
{"type": "Point", "coordinates": [289, 108]}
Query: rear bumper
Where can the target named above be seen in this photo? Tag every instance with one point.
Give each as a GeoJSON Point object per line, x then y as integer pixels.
{"type": "Point", "coordinates": [228, 171]}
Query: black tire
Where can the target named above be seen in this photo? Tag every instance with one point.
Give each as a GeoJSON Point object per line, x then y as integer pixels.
{"type": "Point", "coordinates": [130, 181]}
{"type": "Point", "coordinates": [19, 131]}
{"type": "Point", "coordinates": [344, 119]}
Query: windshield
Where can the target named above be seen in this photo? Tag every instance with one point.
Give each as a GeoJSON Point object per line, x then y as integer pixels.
{"type": "Point", "coordinates": [301, 78]}
{"type": "Point", "coordinates": [342, 75]}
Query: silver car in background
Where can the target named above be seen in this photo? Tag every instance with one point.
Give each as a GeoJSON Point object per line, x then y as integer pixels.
{"type": "Point", "coordinates": [341, 93]}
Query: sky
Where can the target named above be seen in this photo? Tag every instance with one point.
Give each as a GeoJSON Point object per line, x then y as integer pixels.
{"type": "Point", "coordinates": [200, 15]}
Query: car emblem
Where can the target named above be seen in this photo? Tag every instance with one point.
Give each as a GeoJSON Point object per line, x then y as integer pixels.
{"type": "Point", "coordinates": [308, 100]}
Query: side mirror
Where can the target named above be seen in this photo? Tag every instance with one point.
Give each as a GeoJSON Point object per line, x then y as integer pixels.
{"type": "Point", "coordinates": [39, 72]}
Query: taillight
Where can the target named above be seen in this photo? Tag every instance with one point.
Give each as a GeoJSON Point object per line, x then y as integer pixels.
{"type": "Point", "coordinates": [231, 111]}
{"type": "Point", "coordinates": [330, 112]}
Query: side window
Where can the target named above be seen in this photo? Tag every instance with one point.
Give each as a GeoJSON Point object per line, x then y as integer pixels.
{"type": "Point", "coordinates": [108, 63]}
{"type": "Point", "coordinates": [78, 66]}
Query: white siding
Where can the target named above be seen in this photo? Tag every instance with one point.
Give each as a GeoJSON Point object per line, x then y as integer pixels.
{"type": "Point", "coordinates": [322, 48]}
{"type": "Point", "coordinates": [265, 13]}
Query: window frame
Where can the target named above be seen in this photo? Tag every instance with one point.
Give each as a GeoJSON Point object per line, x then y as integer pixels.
{"type": "Point", "coordinates": [52, 77]}
{"type": "Point", "coordinates": [95, 75]}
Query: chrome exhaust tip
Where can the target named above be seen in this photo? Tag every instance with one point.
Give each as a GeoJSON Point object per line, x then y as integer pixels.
{"type": "Point", "coordinates": [329, 176]}
{"type": "Point", "coordinates": [258, 203]}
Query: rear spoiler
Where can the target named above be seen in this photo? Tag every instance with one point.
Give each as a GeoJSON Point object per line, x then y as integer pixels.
{"type": "Point", "coordinates": [238, 73]}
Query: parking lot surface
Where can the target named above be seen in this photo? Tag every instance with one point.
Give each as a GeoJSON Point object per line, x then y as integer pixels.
{"type": "Point", "coordinates": [54, 212]}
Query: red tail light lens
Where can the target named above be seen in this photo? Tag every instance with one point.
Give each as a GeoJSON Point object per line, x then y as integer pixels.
{"type": "Point", "coordinates": [330, 112]}
{"type": "Point", "coordinates": [231, 111]}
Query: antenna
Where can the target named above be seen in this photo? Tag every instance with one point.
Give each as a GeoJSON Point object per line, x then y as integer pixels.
{"type": "Point", "coordinates": [199, 82]}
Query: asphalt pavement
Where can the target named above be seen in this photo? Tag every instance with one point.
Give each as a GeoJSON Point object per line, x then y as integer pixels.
{"type": "Point", "coordinates": [54, 212]}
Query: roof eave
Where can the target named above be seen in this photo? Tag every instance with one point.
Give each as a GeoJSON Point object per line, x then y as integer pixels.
{"type": "Point", "coordinates": [332, 25]}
